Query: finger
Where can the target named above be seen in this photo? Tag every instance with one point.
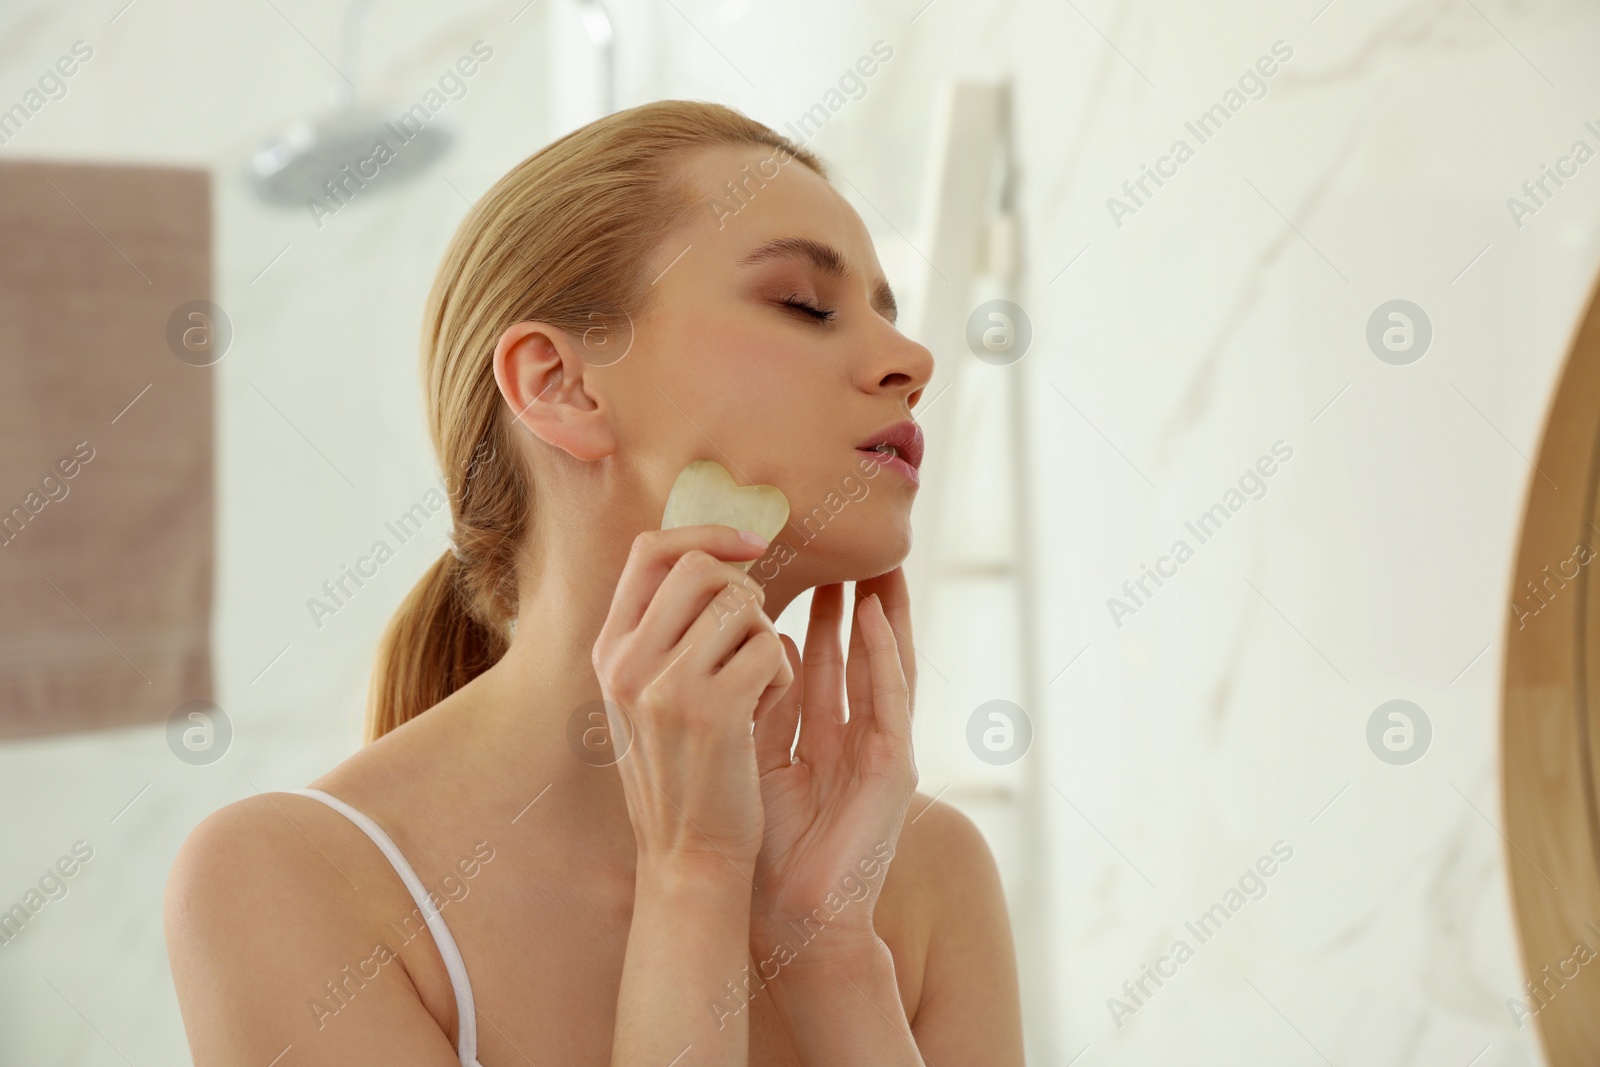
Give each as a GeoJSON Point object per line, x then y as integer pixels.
{"type": "Point", "coordinates": [726, 621]}
{"type": "Point", "coordinates": [822, 718]}
{"type": "Point", "coordinates": [895, 597]}
{"type": "Point", "coordinates": [890, 693]}
{"type": "Point", "coordinates": [776, 688]}
{"type": "Point", "coordinates": [651, 559]}
{"type": "Point", "coordinates": [775, 724]}
{"type": "Point", "coordinates": [758, 664]}
{"type": "Point", "coordinates": [824, 658]}
{"type": "Point", "coordinates": [702, 596]}
{"type": "Point", "coordinates": [858, 672]}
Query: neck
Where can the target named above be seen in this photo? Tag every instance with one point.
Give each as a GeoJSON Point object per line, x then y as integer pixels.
{"type": "Point", "coordinates": [540, 705]}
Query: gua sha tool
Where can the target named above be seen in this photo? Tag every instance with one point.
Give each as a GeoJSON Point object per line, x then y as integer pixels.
{"type": "Point", "coordinates": [705, 492]}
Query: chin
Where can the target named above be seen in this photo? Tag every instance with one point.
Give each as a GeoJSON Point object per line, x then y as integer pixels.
{"type": "Point", "coordinates": [882, 557]}
{"type": "Point", "coordinates": [851, 548]}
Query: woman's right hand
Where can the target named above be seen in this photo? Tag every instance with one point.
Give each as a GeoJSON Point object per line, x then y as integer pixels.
{"type": "Point", "coordinates": [689, 655]}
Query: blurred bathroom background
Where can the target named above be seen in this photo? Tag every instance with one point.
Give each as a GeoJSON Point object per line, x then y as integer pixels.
{"type": "Point", "coordinates": [1183, 322]}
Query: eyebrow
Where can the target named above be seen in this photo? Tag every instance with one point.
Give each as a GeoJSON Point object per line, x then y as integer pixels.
{"type": "Point", "coordinates": [829, 261]}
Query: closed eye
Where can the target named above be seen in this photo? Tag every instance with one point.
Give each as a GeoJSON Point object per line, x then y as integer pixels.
{"type": "Point", "coordinates": [799, 304]}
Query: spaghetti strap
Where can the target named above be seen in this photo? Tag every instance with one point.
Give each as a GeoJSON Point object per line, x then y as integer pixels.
{"type": "Point", "coordinates": [466, 1013]}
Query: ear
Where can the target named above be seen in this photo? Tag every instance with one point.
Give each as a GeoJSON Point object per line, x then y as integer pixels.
{"type": "Point", "coordinates": [541, 376]}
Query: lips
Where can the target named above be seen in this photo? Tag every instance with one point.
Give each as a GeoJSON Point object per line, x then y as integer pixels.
{"type": "Point", "coordinates": [904, 437]}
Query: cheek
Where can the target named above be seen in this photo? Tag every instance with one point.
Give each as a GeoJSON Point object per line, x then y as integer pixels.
{"type": "Point", "coordinates": [747, 384]}
{"type": "Point", "coordinates": [761, 389]}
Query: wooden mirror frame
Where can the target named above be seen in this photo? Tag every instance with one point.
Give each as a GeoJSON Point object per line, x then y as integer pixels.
{"type": "Point", "coordinates": [1550, 720]}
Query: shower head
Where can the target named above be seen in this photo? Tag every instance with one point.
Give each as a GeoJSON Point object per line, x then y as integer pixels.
{"type": "Point", "coordinates": [316, 160]}
{"type": "Point", "coordinates": [350, 149]}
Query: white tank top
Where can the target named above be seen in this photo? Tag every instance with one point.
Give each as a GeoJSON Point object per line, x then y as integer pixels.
{"type": "Point", "coordinates": [467, 1046]}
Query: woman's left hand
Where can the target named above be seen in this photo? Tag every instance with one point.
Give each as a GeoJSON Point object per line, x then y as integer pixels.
{"type": "Point", "coordinates": [834, 813]}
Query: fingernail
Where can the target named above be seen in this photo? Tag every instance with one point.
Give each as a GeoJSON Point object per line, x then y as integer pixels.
{"type": "Point", "coordinates": [754, 539]}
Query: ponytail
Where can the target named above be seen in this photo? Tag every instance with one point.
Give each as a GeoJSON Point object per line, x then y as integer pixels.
{"type": "Point", "coordinates": [563, 238]}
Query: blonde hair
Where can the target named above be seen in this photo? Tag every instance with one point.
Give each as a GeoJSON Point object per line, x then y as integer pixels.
{"type": "Point", "coordinates": [564, 236]}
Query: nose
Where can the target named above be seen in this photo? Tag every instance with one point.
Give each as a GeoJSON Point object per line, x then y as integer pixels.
{"type": "Point", "coordinates": [898, 365]}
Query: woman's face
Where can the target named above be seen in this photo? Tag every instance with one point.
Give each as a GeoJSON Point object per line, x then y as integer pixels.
{"type": "Point", "coordinates": [770, 346]}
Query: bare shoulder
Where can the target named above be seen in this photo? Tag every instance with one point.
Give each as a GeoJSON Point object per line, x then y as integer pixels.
{"type": "Point", "coordinates": [950, 888]}
{"type": "Point", "coordinates": [942, 861]}
{"type": "Point", "coordinates": [264, 922]}
{"type": "Point", "coordinates": [259, 883]}
{"type": "Point", "coordinates": [936, 832]}
{"type": "Point", "coordinates": [237, 859]}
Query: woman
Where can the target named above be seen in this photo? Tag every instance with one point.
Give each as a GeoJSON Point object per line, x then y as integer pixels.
{"type": "Point", "coordinates": [497, 879]}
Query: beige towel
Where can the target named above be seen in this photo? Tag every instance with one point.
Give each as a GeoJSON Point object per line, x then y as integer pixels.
{"type": "Point", "coordinates": [106, 521]}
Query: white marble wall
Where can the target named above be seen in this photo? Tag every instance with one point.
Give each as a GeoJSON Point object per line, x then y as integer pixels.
{"type": "Point", "coordinates": [1226, 313]}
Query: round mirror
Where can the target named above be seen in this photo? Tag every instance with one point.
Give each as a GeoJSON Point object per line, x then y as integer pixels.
{"type": "Point", "coordinates": [1549, 723]}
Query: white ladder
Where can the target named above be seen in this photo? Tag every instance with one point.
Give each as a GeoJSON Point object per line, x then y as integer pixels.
{"type": "Point", "coordinates": [969, 244]}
